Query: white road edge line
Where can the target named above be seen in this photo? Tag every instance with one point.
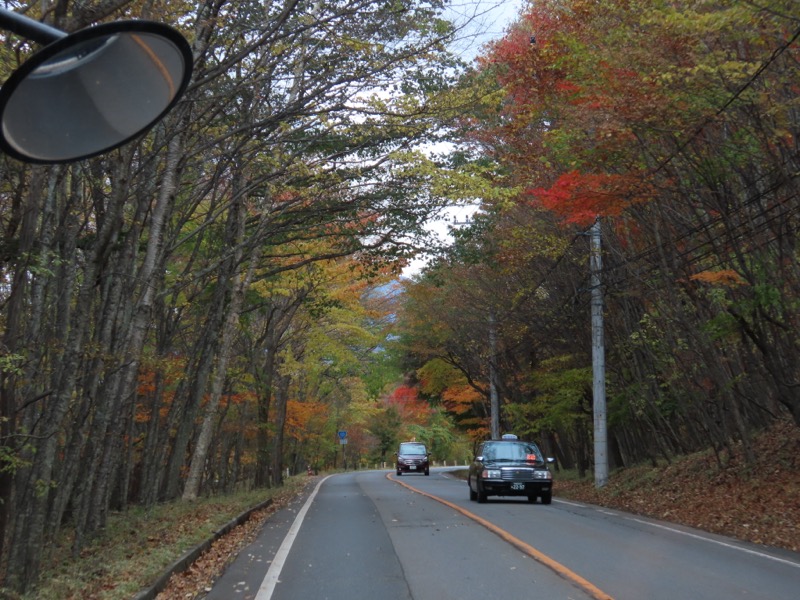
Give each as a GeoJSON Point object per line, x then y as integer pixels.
{"type": "Point", "coordinates": [559, 501]}
{"type": "Point", "coordinates": [267, 587]}
{"type": "Point", "coordinates": [693, 535]}
{"type": "Point", "coordinates": [713, 541]}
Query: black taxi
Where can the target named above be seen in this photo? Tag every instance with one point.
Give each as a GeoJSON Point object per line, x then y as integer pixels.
{"type": "Point", "coordinates": [510, 467]}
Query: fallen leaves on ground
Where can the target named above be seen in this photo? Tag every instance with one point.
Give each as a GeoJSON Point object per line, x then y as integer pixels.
{"type": "Point", "coordinates": [758, 502]}
{"type": "Point", "coordinates": [200, 576]}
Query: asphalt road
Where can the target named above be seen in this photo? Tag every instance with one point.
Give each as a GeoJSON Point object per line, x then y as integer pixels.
{"type": "Point", "coordinates": [364, 536]}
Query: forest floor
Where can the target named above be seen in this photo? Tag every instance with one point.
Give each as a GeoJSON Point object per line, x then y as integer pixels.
{"type": "Point", "coordinates": [759, 503]}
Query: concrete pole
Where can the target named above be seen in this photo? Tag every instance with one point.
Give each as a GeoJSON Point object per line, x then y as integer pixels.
{"type": "Point", "coordinates": [598, 362]}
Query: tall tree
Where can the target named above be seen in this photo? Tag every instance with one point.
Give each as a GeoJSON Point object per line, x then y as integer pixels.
{"type": "Point", "coordinates": [675, 123]}
{"type": "Point", "coordinates": [294, 128]}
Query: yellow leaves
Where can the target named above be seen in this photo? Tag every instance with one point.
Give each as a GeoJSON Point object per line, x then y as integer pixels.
{"type": "Point", "coordinates": [728, 69]}
{"type": "Point", "coordinates": [470, 182]}
{"type": "Point", "coordinates": [725, 277]}
{"type": "Point", "coordinates": [360, 46]}
{"type": "Point", "coordinates": [705, 18]}
{"type": "Point", "coordinates": [279, 48]}
{"type": "Point", "coordinates": [739, 68]}
{"type": "Point", "coordinates": [436, 376]}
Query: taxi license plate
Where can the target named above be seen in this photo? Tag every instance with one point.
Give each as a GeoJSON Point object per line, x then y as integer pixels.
{"type": "Point", "coordinates": [412, 467]}
{"type": "Point", "coordinates": [517, 486]}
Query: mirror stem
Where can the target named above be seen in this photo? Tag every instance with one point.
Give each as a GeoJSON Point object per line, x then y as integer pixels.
{"type": "Point", "coordinates": [29, 28]}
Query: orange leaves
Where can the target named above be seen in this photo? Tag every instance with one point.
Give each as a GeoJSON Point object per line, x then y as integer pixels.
{"type": "Point", "coordinates": [461, 399]}
{"type": "Point", "coordinates": [147, 383]}
{"type": "Point", "coordinates": [725, 277]}
{"type": "Point", "coordinates": [580, 198]}
{"type": "Point", "coordinates": [142, 414]}
{"type": "Point", "coordinates": [239, 398]}
{"type": "Point", "coordinates": [301, 415]}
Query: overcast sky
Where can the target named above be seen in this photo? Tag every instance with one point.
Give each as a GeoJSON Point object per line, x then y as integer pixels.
{"type": "Point", "coordinates": [483, 21]}
{"type": "Point", "coordinates": [486, 20]}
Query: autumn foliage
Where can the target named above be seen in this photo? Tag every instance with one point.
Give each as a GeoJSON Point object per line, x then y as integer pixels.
{"type": "Point", "coordinates": [409, 405]}
{"type": "Point", "coordinates": [673, 125]}
{"type": "Point", "coordinates": [581, 198]}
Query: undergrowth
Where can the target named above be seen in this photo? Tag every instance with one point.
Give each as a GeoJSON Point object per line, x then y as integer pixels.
{"type": "Point", "coordinates": [138, 545]}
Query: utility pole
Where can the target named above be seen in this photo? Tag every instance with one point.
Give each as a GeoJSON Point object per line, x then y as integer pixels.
{"type": "Point", "coordinates": [598, 361]}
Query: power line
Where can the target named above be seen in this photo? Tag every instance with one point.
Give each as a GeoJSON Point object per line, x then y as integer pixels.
{"type": "Point", "coordinates": [682, 146]}
{"type": "Point", "coordinates": [708, 120]}
{"type": "Point", "coordinates": [708, 225]}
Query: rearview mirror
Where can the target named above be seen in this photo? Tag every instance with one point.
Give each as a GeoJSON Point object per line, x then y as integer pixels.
{"type": "Point", "coordinates": [91, 91]}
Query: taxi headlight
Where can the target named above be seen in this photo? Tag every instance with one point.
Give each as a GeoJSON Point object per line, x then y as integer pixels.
{"type": "Point", "coordinates": [491, 474]}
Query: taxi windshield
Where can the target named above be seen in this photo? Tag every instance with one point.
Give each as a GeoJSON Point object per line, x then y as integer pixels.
{"type": "Point", "coordinates": [517, 451]}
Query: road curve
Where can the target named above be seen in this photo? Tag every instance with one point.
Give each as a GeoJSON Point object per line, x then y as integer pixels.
{"type": "Point", "coordinates": [366, 535]}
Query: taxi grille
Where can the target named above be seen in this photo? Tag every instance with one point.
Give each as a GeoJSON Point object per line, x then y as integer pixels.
{"type": "Point", "coordinates": [517, 474]}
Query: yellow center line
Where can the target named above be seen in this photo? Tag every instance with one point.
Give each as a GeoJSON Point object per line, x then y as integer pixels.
{"type": "Point", "coordinates": [162, 68]}
{"type": "Point", "coordinates": [538, 556]}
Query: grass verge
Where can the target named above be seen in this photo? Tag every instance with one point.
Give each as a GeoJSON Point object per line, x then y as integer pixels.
{"type": "Point", "coordinates": [137, 546]}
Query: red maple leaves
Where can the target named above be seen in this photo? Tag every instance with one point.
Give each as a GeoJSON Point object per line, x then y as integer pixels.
{"type": "Point", "coordinates": [581, 197]}
{"type": "Point", "coordinates": [410, 406]}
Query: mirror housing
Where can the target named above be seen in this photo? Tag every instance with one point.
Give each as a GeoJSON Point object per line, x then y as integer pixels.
{"type": "Point", "coordinates": [91, 91]}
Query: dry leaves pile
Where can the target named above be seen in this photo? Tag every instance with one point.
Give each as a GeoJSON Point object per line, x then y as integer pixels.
{"type": "Point", "coordinates": [758, 503]}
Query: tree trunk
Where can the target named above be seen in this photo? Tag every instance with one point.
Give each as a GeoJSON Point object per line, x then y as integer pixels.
{"type": "Point", "coordinates": [281, 398]}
